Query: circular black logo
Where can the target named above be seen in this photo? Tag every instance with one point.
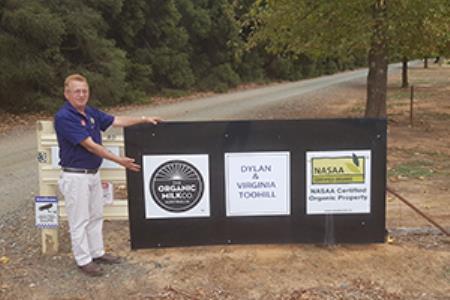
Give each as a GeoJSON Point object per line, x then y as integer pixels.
{"type": "Point", "coordinates": [176, 186]}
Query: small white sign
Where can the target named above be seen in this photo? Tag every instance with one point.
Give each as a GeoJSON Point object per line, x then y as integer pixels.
{"type": "Point", "coordinates": [46, 211]}
{"type": "Point", "coordinates": [257, 183]}
{"type": "Point", "coordinates": [338, 182]}
{"type": "Point", "coordinates": [108, 192]}
{"type": "Point", "coordinates": [176, 186]}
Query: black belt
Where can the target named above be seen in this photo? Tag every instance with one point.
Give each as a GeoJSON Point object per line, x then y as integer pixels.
{"type": "Point", "coordinates": [82, 171]}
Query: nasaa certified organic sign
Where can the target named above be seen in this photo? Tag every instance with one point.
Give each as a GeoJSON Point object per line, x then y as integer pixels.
{"type": "Point", "coordinates": [338, 182]}
{"type": "Point", "coordinates": [338, 170]}
{"type": "Point", "coordinates": [176, 186]}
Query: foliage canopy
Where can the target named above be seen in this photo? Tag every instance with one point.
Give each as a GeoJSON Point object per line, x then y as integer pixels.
{"type": "Point", "coordinates": [130, 50]}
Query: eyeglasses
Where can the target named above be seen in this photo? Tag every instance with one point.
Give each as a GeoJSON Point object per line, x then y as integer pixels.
{"type": "Point", "coordinates": [80, 92]}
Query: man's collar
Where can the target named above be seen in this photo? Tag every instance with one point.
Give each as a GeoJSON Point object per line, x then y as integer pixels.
{"type": "Point", "coordinates": [73, 109]}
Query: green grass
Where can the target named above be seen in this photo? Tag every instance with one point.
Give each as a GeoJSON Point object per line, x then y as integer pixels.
{"type": "Point", "coordinates": [438, 116]}
{"type": "Point", "coordinates": [399, 95]}
{"type": "Point", "coordinates": [447, 273]}
{"type": "Point", "coordinates": [422, 95]}
{"type": "Point", "coordinates": [418, 82]}
{"type": "Point", "coordinates": [433, 155]}
{"type": "Point", "coordinates": [422, 164]}
{"type": "Point", "coordinates": [358, 109]}
{"type": "Point", "coordinates": [398, 104]}
{"type": "Point", "coordinates": [413, 169]}
{"type": "Point", "coordinates": [405, 94]}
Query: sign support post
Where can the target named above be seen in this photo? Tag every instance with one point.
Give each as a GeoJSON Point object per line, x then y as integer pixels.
{"type": "Point", "coordinates": [49, 236]}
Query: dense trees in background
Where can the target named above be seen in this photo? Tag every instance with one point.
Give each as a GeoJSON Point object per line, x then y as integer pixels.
{"type": "Point", "coordinates": [130, 50]}
{"type": "Point", "coordinates": [43, 41]}
{"type": "Point", "coordinates": [133, 49]}
{"type": "Point", "coordinates": [384, 30]}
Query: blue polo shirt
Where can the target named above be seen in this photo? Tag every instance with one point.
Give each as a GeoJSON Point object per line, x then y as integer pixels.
{"type": "Point", "coordinates": [72, 128]}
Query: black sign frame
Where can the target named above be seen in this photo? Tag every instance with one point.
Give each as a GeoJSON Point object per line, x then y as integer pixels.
{"type": "Point", "coordinates": [218, 137]}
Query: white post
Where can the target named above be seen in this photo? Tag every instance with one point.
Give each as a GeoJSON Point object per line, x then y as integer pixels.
{"type": "Point", "coordinates": [49, 237]}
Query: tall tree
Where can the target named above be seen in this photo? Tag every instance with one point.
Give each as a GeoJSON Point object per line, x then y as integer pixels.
{"type": "Point", "coordinates": [417, 29]}
{"type": "Point", "coordinates": [327, 28]}
{"type": "Point", "coordinates": [41, 42]}
{"type": "Point", "coordinates": [378, 62]}
{"type": "Point", "coordinates": [213, 41]}
{"type": "Point", "coordinates": [156, 44]}
{"type": "Point", "coordinates": [30, 35]}
{"type": "Point", "coordinates": [87, 49]}
{"type": "Point", "coordinates": [342, 27]}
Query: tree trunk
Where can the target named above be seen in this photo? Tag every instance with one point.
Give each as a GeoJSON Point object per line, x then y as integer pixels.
{"type": "Point", "coordinates": [425, 63]}
{"type": "Point", "coordinates": [405, 82]}
{"type": "Point", "coordinates": [378, 64]}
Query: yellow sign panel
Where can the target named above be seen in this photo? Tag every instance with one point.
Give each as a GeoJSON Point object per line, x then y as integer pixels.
{"type": "Point", "coordinates": [338, 170]}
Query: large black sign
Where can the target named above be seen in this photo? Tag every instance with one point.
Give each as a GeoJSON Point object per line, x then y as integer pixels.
{"type": "Point", "coordinates": [294, 181]}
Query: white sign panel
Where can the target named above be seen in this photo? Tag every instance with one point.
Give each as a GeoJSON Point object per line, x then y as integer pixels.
{"type": "Point", "coordinates": [108, 193]}
{"type": "Point", "coordinates": [46, 211]}
{"type": "Point", "coordinates": [176, 186]}
{"type": "Point", "coordinates": [338, 182]}
{"type": "Point", "coordinates": [257, 183]}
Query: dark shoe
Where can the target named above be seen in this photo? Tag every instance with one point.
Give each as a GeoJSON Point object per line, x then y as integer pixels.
{"type": "Point", "coordinates": [107, 259]}
{"type": "Point", "coordinates": [91, 269]}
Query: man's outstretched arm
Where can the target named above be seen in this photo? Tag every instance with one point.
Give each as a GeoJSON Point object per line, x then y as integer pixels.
{"type": "Point", "coordinates": [125, 121]}
{"type": "Point", "coordinates": [101, 151]}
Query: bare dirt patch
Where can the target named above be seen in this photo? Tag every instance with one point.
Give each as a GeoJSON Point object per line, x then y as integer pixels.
{"type": "Point", "coordinates": [415, 264]}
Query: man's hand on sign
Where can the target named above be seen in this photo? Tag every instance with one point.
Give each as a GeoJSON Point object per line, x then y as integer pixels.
{"type": "Point", "coordinates": [153, 120]}
{"type": "Point", "coordinates": [129, 163]}
{"type": "Point", "coordinates": [125, 121]}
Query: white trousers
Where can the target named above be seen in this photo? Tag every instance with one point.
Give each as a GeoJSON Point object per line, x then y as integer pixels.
{"type": "Point", "coordinates": [84, 208]}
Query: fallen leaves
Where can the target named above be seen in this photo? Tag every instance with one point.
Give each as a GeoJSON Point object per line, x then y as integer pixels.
{"type": "Point", "coordinates": [4, 260]}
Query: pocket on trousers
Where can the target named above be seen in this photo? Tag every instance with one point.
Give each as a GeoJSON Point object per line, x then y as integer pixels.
{"type": "Point", "coordinates": [61, 184]}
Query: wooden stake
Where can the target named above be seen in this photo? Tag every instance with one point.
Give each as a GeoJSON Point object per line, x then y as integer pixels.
{"type": "Point", "coordinates": [411, 107]}
{"type": "Point", "coordinates": [49, 237]}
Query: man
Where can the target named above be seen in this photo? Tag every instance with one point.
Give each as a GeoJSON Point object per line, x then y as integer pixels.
{"type": "Point", "coordinates": [78, 128]}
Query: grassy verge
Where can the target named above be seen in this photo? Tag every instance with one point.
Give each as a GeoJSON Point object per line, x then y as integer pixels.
{"type": "Point", "coordinates": [420, 164]}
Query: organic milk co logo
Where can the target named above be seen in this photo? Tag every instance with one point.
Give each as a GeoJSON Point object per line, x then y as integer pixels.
{"type": "Point", "coordinates": [338, 170]}
{"type": "Point", "coordinates": [176, 186]}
